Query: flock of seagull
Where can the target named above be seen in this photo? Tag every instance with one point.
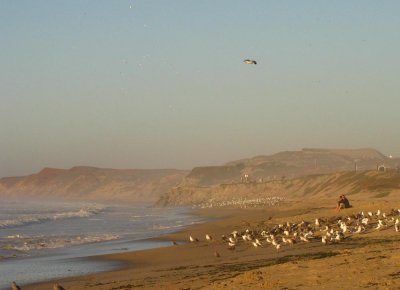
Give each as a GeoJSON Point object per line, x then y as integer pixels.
{"type": "Point", "coordinates": [326, 230]}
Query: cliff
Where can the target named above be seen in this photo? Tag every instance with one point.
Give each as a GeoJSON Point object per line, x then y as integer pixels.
{"type": "Point", "coordinates": [290, 164]}
{"type": "Point", "coordinates": [90, 183]}
{"type": "Point", "coordinates": [371, 183]}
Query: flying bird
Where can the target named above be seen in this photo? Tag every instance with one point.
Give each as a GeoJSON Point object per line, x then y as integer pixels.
{"type": "Point", "coordinates": [249, 61]}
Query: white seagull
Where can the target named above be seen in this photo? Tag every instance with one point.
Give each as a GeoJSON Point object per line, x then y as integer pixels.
{"type": "Point", "coordinates": [193, 239]}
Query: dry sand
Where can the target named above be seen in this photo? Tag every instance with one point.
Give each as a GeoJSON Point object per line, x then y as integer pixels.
{"type": "Point", "coordinates": [363, 261]}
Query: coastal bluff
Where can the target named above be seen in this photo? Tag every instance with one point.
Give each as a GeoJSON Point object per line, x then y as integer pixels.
{"type": "Point", "coordinates": [300, 174]}
{"type": "Point", "coordinates": [93, 184]}
{"type": "Point", "coordinates": [369, 183]}
{"type": "Point", "coordinates": [287, 172]}
{"type": "Point", "coordinates": [289, 165]}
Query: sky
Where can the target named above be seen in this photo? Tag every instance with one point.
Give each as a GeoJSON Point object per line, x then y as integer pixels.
{"type": "Point", "coordinates": [162, 84]}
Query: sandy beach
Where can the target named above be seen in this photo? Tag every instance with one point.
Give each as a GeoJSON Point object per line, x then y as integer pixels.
{"type": "Point", "coordinates": [366, 260]}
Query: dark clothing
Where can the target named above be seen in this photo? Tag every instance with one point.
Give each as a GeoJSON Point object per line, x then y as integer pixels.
{"type": "Point", "coordinates": [344, 202]}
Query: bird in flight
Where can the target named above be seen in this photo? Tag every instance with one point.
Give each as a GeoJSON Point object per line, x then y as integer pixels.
{"type": "Point", "coordinates": [249, 61]}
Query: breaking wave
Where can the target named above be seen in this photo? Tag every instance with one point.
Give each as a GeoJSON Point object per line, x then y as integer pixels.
{"type": "Point", "coordinates": [83, 212]}
{"type": "Point", "coordinates": [28, 243]}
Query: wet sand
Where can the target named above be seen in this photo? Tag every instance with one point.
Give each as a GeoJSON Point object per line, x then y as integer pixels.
{"type": "Point", "coordinates": [368, 260]}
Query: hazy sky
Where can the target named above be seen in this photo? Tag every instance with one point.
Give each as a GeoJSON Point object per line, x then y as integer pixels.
{"type": "Point", "coordinates": [162, 84]}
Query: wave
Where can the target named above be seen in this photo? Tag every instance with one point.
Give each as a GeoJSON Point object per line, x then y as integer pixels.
{"type": "Point", "coordinates": [26, 243]}
{"type": "Point", "coordinates": [84, 212]}
{"type": "Point", "coordinates": [162, 227]}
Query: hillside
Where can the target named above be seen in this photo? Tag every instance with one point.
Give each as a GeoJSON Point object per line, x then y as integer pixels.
{"type": "Point", "coordinates": [290, 164]}
{"type": "Point", "coordinates": [90, 183]}
{"type": "Point", "coordinates": [373, 184]}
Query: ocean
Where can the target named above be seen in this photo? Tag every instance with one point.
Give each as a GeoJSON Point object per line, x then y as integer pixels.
{"type": "Point", "coordinates": [42, 240]}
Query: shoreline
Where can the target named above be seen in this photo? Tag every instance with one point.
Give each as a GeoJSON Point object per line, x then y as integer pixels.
{"type": "Point", "coordinates": [66, 262]}
{"type": "Point", "coordinates": [207, 215]}
{"type": "Point", "coordinates": [195, 266]}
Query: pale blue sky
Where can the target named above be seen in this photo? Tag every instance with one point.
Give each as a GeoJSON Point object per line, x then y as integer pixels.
{"type": "Point", "coordinates": [163, 85]}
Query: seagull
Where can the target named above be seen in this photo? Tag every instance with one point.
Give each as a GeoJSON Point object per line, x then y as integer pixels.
{"type": "Point", "coordinates": [249, 61]}
{"type": "Point", "coordinates": [339, 236]}
{"type": "Point", "coordinates": [14, 286]}
{"type": "Point", "coordinates": [174, 243]}
{"type": "Point", "coordinates": [304, 239]}
{"type": "Point", "coordinates": [380, 225]}
{"type": "Point", "coordinates": [231, 240]}
{"type": "Point", "coordinates": [208, 237]}
{"type": "Point", "coordinates": [193, 239]}
{"type": "Point", "coordinates": [358, 230]}
{"type": "Point", "coordinates": [290, 241]}
{"type": "Point", "coordinates": [58, 287]}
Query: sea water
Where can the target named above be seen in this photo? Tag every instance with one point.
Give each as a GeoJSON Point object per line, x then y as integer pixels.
{"type": "Point", "coordinates": [43, 240]}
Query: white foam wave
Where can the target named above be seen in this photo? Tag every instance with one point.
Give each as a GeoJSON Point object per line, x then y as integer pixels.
{"type": "Point", "coordinates": [84, 212]}
{"type": "Point", "coordinates": [162, 227]}
{"type": "Point", "coordinates": [26, 244]}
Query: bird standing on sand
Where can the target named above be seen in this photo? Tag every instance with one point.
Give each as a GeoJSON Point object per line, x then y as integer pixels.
{"type": "Point", "coordinates": [193, 239]}
{"type": "Point", "coordinates": [249, 61]}
{"type": "Point", "coordinates": [208, 237]}
{"type": "Point", "coordinates": [14, 286]}
{"type": "Point", "coordinates": [58, 287]}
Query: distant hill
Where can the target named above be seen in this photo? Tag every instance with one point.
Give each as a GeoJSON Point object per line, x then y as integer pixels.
{"type": "Point", "coordinates": [90, 183]}
{"type": "Point", "coordinates": [101, 184]}
{"type": "Point", "coordinates": [290, 164]}
{"type": "Point", "coordinates": [372, 183]}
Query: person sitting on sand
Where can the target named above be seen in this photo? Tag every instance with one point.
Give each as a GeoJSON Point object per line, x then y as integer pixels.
{"type": "Point", "coordinates": [342, 203]}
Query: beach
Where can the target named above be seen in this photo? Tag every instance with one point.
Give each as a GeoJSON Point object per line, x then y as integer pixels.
{"type": "Point", "coordinates": [366, 260]}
